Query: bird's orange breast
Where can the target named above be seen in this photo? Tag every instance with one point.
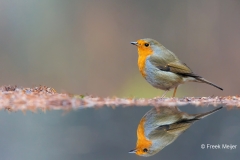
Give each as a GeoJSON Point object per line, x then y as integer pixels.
{"type": "Point", "coordinates": [143, 53]}
{"type": "Point", "coordinates": [141, 65]}
{"type": "Point", "coordinates": [143, 141]}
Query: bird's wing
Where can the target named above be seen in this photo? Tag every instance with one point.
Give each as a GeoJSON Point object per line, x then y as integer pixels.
{"type": "Point", "coordinates": [171, 129]}
{"type": "Point", "coordinates": [178, 68]}
{"type": "Point", "coordinates": [164, 116]}
{"type": "Point", "coordinates": [180, 126]}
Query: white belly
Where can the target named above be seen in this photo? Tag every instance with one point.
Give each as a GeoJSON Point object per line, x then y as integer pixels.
{"type": "Point", "coordinates": [161, 79]}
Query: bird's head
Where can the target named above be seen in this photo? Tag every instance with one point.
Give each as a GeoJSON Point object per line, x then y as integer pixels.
{"type": "Point", "coordinates": [146, 46]}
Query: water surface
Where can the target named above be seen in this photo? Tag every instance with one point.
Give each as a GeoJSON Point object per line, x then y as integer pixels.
{"type": "Point", "coordinates": [107, 133]}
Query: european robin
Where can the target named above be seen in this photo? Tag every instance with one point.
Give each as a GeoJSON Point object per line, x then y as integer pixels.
{"type": "Point", "coordinates": [161, 126]}
{"type": "Point", "coordinates": [161, 67]}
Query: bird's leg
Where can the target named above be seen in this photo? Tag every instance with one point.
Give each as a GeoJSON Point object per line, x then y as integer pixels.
{"type": "Point", "coordinates": [164, 94]}
{"type": "Point", "coordinates": [174, 92]}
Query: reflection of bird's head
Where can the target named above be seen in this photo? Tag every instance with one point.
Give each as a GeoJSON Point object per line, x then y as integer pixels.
{"type": "Point", "coordinates": [143, 151]}
{"type": "Point", "coordinates": [152, 133]}
{"type": "Point", "coordinates": [143, 143]}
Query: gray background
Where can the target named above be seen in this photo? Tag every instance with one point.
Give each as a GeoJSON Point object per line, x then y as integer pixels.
{"type": "Point", "coordinates": [83, 47]}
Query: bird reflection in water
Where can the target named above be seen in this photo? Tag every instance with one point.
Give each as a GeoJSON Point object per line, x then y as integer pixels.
{"type": "Point", "coordinates": [161, 126]}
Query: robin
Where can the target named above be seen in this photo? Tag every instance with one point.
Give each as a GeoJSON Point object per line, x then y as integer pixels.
{"type": "Point", "coordinates": [161, 126]}
{"type": "Point", "coordinates": [161, 67]}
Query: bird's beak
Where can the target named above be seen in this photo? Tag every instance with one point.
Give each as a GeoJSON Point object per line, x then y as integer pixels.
{"type": "Point", "coordinates": [134, 43]}
{"type": "Point", "coordinates": [132, 151]}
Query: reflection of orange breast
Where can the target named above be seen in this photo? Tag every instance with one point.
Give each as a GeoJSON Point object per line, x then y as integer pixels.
{"type": "Point", "coordinates": [141, 65]}
{"type": "Point", "coordinates": [142, 141]}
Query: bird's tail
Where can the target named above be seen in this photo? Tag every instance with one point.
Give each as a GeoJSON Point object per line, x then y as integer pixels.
{"type": "Point", "coordinates": [200, 79]}
{"type": "Point", "coordinates": [203, 115]}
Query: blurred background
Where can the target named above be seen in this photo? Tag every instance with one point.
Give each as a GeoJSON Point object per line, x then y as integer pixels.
{"type": "Point", "coordinates": [83, 47]}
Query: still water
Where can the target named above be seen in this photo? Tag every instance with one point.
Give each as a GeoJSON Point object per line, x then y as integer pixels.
{"type": "Point", "coordinates": [107, 133]}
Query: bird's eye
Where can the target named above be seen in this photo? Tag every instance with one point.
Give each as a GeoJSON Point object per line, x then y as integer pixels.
{"type": "Point", "coordinates": [146, 44]}
{"type": "Point", "coordinates": [145, 150]}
